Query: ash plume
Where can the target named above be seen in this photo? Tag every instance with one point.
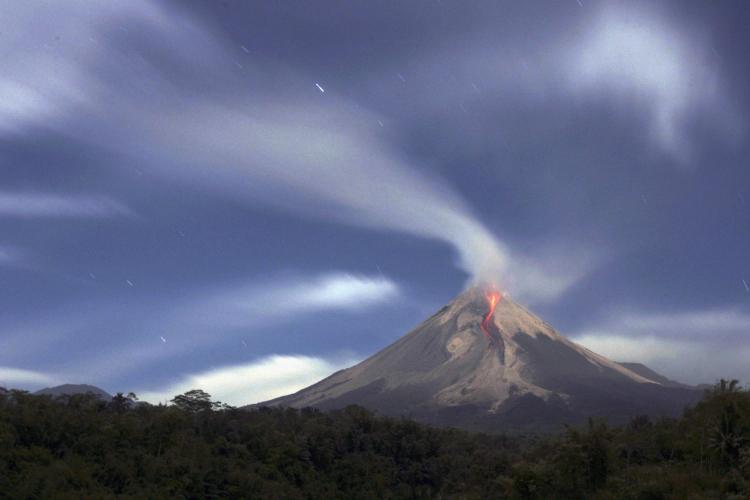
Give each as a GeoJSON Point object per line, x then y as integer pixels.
{"type": "Point", "coordinates": [304, 150]}
{"type": "Point", "coordinates": [200, 112]}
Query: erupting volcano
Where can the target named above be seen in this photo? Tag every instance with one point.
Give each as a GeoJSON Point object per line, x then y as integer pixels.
{"type": "Point", "coordinates": [483, 362]}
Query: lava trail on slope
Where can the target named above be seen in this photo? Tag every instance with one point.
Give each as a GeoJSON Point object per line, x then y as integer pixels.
{"type": "Point", "coordinates": [488, 326]}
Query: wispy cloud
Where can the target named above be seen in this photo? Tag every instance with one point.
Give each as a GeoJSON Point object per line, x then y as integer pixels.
{"type": "Point", "coordinates": [632, 58]}
{"type": "Point", "coordinates": [35, 204]}
{"type": "Point", "coordinates": [636, 57]}
{"type": "Point", "coordinates": [686, 324]}
{"type": "Point", "coordinates": [52, 46]}
{"type": "Point", "coordinates": [257, 381]}
{"type": "Point", "coordinates": [336, 166]}
{"type": "Point", "coordinates": [227, 314]}
{"type": "Point", "coordinates": [258, 303]}
{"type": "Point", "coordinates": [689, 360]}
{"type": "Point", "coordinates": [18, 378]}
{"type": "Point", "coordinates": [205, 317]}
{"type": "Point", "coordinates": [683, 344]}
{"type": "Point", "coordinates": [46, 331]}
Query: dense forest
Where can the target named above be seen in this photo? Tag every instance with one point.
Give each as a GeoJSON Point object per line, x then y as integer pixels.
{"type": "Point", "coordinates": [79, 446]}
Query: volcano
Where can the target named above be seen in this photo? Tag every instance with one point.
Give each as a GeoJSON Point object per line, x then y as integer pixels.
{"type": "Point", "coordinates": [484, 362]}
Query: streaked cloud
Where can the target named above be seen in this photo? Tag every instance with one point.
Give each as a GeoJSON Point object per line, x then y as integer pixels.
{"type": "Point", "coordinates": [689, 361]}
{"type": "Point", "coordinates": [224, 315]}
{"type": "Point", "coordinates": [336, 166]}
{"type": "Point", "coordinates": [257, 381]}
{"type": "Point", "coordinates": [723, 321]}
{"type": "Point", "coordinates": [18, 378]}
{"type": "Point", "coordinates": [37, 204]}
{"type": "Point", "coordinates": [630, 58]}
{"type": "Point", "coordinates": [341, 290]}
{"type": "Point", "coordinates": [695, 347]}
{"type": "Point", "coordinates": [52, 45]}
{"type": "Point", "coordinates": [258, 303]}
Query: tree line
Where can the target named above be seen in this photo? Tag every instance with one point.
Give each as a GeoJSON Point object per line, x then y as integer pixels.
{"type": "Point", "coordinates": [80, 446]}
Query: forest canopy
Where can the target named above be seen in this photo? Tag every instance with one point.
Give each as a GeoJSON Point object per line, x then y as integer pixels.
{"type": "Point", "coordinates": [79, 445]}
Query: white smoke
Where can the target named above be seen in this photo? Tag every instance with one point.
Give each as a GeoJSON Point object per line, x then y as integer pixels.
{"type": "Point", "coordinates": [312, 153]}
{"type": "Point", "coordinates": [326, 161]}
{"type": "Point", "coordinates": [261, 132]}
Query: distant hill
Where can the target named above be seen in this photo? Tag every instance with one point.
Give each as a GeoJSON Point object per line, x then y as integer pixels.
{"type": "Point", "coordinates": [70, 389]}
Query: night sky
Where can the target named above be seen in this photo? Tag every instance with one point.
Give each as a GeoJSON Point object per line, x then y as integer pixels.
{"type": "Point", "coordinates": [245, 197]}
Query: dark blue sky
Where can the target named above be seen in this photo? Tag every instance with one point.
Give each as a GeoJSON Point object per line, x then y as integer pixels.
{"type": "Point", "coordinates": [247, 196]}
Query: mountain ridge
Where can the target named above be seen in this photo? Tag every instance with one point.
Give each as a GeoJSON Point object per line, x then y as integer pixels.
{"type": "Point", "coordinates": [71, 389]}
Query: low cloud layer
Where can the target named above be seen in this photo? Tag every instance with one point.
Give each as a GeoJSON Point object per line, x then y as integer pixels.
{"type": "Point", "coordinates": [228, 315]}
{"type": "Point", "coordinates": [254, 382]}
{"type": "Point", "coordinates": [691, 347]}
{"type": "Point", "coordinates": [685, 324]}
{"type": "Point", "coordinates": [18, 378]}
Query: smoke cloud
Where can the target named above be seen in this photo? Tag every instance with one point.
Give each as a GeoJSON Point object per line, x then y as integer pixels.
{"type": "Point", "coordinates": [335, 166]}
{"type": "Point", "coordinates": [309, 151]}
{"type": "Point", "coordinates": [164, 92]}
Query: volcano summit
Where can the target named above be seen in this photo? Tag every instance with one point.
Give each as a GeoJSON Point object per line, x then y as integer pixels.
{"type": "Point", "coordinates": [483, 362]}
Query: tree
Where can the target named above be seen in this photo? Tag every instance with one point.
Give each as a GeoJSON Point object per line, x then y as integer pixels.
{"type": "Point", "coordinates": [726, 438]}
{"type": "Point", "coordinates": [120, 402]}
{"type": "Point", "coordinates": [195, 401]}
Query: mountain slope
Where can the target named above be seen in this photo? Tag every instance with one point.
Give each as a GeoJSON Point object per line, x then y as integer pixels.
{"type": "Point", "coordinates": [510, 370]}
{"type": "Point", "coordinates": [647, 372]}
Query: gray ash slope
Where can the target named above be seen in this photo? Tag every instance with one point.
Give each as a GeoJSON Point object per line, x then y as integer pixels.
{"type": "Point", "coordinates": [524, 375]}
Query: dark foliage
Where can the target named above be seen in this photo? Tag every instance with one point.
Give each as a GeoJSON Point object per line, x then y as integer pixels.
{"type": "Point", "coordinates": [78, 446]}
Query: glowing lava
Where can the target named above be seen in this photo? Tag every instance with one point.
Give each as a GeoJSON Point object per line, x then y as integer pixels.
{"type": "Point", "coordinates": [493, 297]}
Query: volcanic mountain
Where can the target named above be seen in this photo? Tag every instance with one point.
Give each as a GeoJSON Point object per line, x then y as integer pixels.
{"type": "Point", "coordinates": [471, 367]}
